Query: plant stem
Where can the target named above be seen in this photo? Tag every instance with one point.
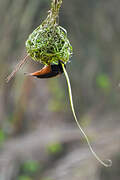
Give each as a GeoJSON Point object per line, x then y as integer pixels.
{"type": "Point", "coordinates": [53, 13]}
{"type": "Point", "coordinates": [108, 162]}
{"type": "Point", "coordinates": [18, 66]}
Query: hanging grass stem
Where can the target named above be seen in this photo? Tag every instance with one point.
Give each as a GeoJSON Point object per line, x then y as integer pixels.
{"type": "Point", "coordinates": [107, 162]}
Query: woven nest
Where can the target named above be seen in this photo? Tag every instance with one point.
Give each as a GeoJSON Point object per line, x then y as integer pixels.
{"type": "Point", "coordinates": [49, 44]}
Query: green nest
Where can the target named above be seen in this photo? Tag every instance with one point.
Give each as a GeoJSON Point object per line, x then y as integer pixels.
{"type": "Point", "coordinates": [49, 44]}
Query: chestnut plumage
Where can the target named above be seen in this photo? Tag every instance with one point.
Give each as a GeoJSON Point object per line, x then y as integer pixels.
{"type": "Point", "coordinates": [48, 71]}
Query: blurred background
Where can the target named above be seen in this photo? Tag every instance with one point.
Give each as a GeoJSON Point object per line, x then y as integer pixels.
{"type": "Point", "coordinates": [39, 139]}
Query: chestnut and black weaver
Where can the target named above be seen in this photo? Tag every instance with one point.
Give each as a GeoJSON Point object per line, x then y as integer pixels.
{"type": "Point", "coordinates": [48, 71]}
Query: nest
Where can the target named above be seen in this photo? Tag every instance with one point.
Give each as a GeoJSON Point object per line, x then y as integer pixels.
{"type": "Point", "coordinates": [49, 43]}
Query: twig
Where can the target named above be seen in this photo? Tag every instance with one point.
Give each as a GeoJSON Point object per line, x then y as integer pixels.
{"type": "Point", "coordinates": [18, 66]}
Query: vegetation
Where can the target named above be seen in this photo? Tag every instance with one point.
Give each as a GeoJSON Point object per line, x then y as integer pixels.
{"type": "Point", "coordinates": [28, 125]}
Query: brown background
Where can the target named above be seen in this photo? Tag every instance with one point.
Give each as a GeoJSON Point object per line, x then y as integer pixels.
{"type": "Point", "coordinates": [37, 128]}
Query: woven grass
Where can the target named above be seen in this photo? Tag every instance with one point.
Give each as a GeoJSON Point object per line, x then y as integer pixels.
{"type": "Point", "coordinates": [48, 43]}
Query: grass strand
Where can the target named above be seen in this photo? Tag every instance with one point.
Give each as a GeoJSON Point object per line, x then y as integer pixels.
{"type": "Point", "coordinates": [107, 162]}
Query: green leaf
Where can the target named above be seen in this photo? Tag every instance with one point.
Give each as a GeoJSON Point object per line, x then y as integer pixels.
{"type": "Point", "coordinates": [103, 81]}
{"type": "Point", "coordinates": [2, 136]}
{"type": "Point", "coordinates": [24, 178]}
{"type": "Point", "coordinates": [55, 148]}
{"type": "Point", "coordinates": [30, 166]}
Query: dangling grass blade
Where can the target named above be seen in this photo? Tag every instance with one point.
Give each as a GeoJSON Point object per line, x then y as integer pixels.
{"type": "Point", "coordinates": [18, 66]}
{"type": "Point", "coordinates": [108, 162]}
